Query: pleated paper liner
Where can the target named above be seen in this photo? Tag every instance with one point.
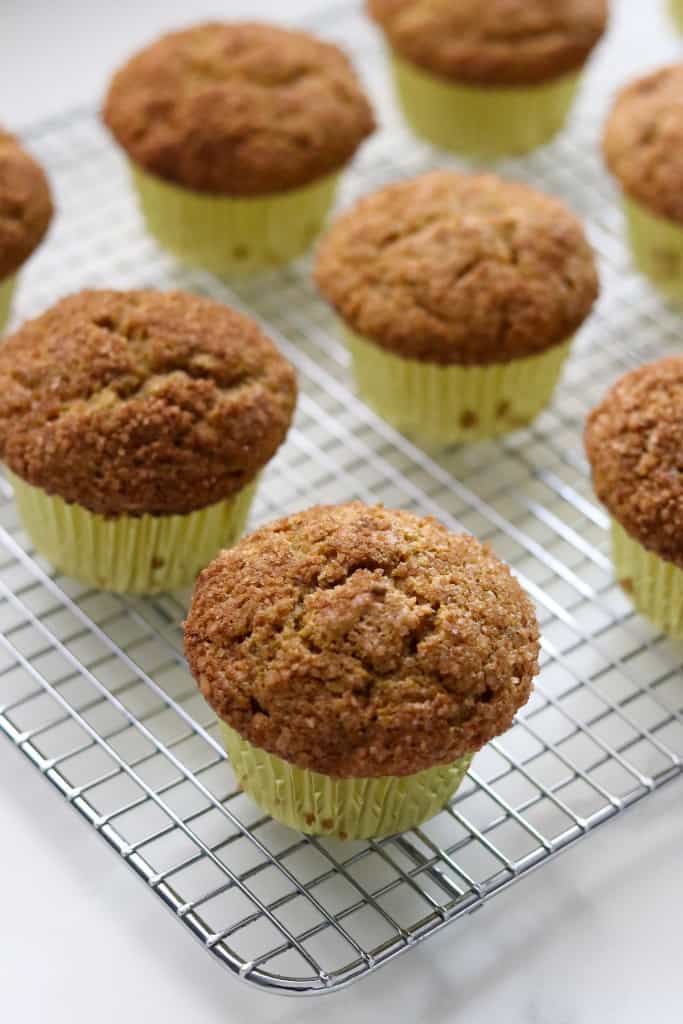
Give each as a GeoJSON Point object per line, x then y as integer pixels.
{"type": "Point", "coordinates": [676, 8]}
{"type": "Point", "coordinates": [657, 247]}
{"type": "Point", "coordinates": [654, 585]}
{"type": "Point", "coordinates": [479, 121]}
{"type": "Point", "coordinates": [346, 808]}
{"type": "Point", "coordinates": [233, 236]}
{"type": "Point", "coordinates": [6, 292]}
{"type": "Point", "coordinates": [129, 554]}
{"type": "Point", "coordinates": [448, 404]}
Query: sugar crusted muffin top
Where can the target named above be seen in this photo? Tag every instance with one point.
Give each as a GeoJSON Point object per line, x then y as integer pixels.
{"type": "Point", "coordinates": [141, 401]}
{"type": "Point", "coordinates": [25, 204]}
{"type": "Point", "coordinates": [494, 43]}
{"type": "Point", "coordinates": [362, 642]}
{"type": "Point", "coordinates": [459, 269]}
{"type": "Point", "coordinates": [634, 441]}
{"type": "Point", "coordinates": [238, 108]}
{"type": "Point", "coordinates": [643, 141]}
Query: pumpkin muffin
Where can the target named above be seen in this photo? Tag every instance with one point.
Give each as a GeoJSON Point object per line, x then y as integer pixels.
{"type": "Point", "coordinates": [488, 79]}
{"type": "Point", "coordinates": [357, 658]}
{"type": "Point", "coordinates": [25, 214]}
{"type": "Point", "coordinates": [460, 294]}
{"type": "Point", "coordinates": [643, 147]}
{"type": "Point", "coordinates": [236, 134]}
{"type": "Point", "coordinates": [634, 440]}
{"type": "Point", "coordinates": [134, 426]}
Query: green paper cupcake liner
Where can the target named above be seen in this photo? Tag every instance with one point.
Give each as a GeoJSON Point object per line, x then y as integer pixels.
{"type": "Point", "coordinates": [232, 236]}
{"type": "Point", "coordinates": [657, 247]}
{"type": "Point", "coordinates": [478, 121]}
{"type": "Point", "coordinates": [345, 808]}
{"type": "Point", "coordinates": [7, 287]}
{"type": "Point", "coordinates": [654, 585]}
{"type": "Point", "coordinates": [448, 404]}
{"type": "Point", "coordinates": [129, 554]}
{"type": "Point", "coordinates": [676, 7]}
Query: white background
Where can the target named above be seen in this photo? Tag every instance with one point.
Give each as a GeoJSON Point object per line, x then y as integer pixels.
{"type": "Point", "coordinates": [594, 937]}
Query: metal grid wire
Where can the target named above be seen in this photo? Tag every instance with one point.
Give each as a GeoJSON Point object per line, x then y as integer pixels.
{"type": "Point", "coordinates": [95, 691]}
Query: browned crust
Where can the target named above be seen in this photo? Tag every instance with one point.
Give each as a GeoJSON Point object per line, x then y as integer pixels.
{"type": "Point", "coordinates": [458, 268]}
{"type": "Point", "coordinates": [634, 441]}
{"type": "Point", "coordinates": [495, 42]}
{"type": "Point", "coordinates": [643, 141]}
{"type": "Point", "coordinates": [25, 204]}
{"type": "Point", "coordinates": [239, 109]}
{"type": "Point", "coordinates": [142, 402]}
{"type": "Point", "coordinates": [362, 642]}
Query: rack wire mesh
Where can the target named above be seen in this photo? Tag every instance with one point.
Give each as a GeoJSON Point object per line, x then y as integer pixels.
{"type": "Point", "coordinates": [95, 691]}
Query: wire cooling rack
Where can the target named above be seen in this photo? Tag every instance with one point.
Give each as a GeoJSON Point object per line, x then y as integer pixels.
{"type": "Point", "coordinates": [95, 691]}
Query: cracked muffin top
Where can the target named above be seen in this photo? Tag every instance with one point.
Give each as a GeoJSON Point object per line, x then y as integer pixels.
{"type": "Point", "coordinates": [25, 204]}
{"type": "Point", "coordinates": [238, 109]}
{"type": "Point", "coordinates": [643, 142]}
{"type": "Point", "coordinates": [494, 43]}
{"type": "Point", "coordinates": [458, 268]}
{"type": "Point", "coordinates": [142, 402]}
{"type": "Point", "coordinates": [362, 642]}
{"type": "Point", "coordinates": [634, 441]}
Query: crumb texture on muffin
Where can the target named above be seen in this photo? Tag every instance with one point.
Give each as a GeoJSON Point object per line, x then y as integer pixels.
{"type": "Point", "coordinates": [362, 642]}
{"type": "Point", "coordinates": [458, 268]}
{"type": "Point", "coordinates": [239, 108]}
{"type": "Point", "coordinates": [634, 440]}
{"type": "Point", "coordinates": [495, 42]}
{"type": "Point", "coordinates": [643, 142]}
{"type": "Point", "coordinates": [142, 401]}
{"type": "Point", "coordinates": [25, 204]}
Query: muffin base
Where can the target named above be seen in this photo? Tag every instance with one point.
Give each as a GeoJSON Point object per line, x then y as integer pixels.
{"type": "Point", "coordinates": [482, 122]}
{"type": "Point", "coordinates": [448, 404]}
{"type": "Point", "coordinates": [345, 808]}
{"type": "Point", "coordinates": [231, 236]}
{"type": "Point", "coordinates": [7, 287]}
{"type": "Point", "coordinates": [654, 585]}
{"type": "Point", "coordinates": [657, 248]}
{"type": "Point", "coordinates": [129, 554]}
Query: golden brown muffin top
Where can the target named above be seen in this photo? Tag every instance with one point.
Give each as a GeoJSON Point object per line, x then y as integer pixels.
{"type": "Point", "coordinates": [238, 109]}
{"type": "Point", "coordinates": [142, 402]}
{"type": "Point", "coordinates": [643, 141]}
{"type": "Point", "coordinates": [362, 642]}
{"type": "Point", "coordinates": [25, 204]}
{"type": "Point", "coordinates": [493, 42]}
{"type": "Point", "coordinates": [634, 440]}
{"type": "Point", "coordinates": [458, 268]}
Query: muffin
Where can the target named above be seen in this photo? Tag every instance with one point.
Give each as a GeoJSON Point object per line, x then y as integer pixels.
{"type": "Point", "coordinates": [236, 135]}
{"type": "Point", "coordinates": [25, 214]}
{"type": "Point", "coordinates": [634, 440]}
{"type": "Point", "coordinates": [488, 79]}
{"type": "Point", "coordinates": [643, 147]}
{"type": "Point", "coordinates": [134, 426]}
{"type": "Point", "coordinates": [460, 294]}
{"type": "Point", "coordinates": [357, 658]}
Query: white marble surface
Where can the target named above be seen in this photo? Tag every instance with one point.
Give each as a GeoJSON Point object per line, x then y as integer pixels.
{"type": "Point", "coordinates": [593, 938]}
